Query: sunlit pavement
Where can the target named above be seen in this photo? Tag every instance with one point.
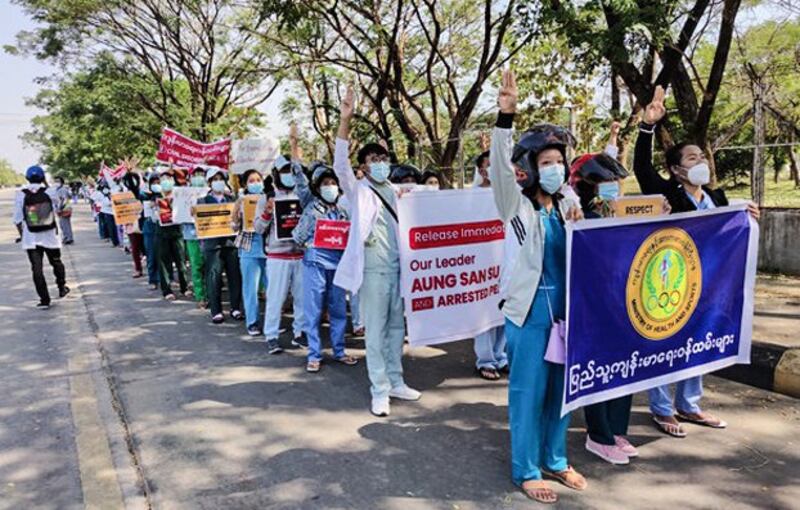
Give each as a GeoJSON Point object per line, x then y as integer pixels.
{"type": "Point", "coordinates": [119, 397]}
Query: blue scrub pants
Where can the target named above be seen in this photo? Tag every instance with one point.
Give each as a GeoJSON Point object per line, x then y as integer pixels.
{"type": "Point", "coordinates": [687, 394]}
{"type": "Point", "coordinates": [254, 273]}
{"type": "Point", "coordinates": [355, 311]}
{"type": "Point", "coordinates": [535, 386]}
{"type": "Point", "coordinates": [490, 349]}
{"type": "Point", "coordinates": [319, 291]}
{"type": "Point", "coordinates": [149, 229]}
{"type": "Point", "coordinates": [385, 329]}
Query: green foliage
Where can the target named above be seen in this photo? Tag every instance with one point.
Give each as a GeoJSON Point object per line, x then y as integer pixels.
{"type": "Point", "coordinates": [8, 177]}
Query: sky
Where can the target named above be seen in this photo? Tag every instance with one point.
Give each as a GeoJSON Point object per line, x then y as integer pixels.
{"type": "Point", "coordinates": [20, 73]}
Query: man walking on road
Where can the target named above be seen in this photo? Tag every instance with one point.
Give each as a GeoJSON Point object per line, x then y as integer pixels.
{"type": "Point", "coordinates": [35, 211]}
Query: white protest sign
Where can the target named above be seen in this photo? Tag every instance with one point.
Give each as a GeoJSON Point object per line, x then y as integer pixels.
{"type": "Point", "coordinates": [451, 248]}
{"type": "Point", "coordinates": [183, 199]}
{"type": "Point", "coordinates": [254, 153]}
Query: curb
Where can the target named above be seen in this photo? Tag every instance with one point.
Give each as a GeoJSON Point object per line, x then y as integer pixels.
{"type": "Point", "coordinates": [772, 367]}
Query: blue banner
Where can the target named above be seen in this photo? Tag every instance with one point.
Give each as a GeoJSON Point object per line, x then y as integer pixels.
{"type": "Point", "coordinates": [657, 300]}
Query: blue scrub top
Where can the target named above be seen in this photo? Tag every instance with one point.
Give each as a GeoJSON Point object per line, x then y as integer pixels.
{"type": "Point", "coordinates": [552, 283]}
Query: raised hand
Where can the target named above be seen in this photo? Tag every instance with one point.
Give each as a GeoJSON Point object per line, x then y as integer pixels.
{"type": "Point", "coordinates": [507, 97]}
{"type": "Point", "coordinates": [615, 127]}
{"type": "Point", "coordinates": [348, 103]}
{"type": "Point", "coordinates": [655, 111]}
{"type": "Point", "coordinates": [485, 141]}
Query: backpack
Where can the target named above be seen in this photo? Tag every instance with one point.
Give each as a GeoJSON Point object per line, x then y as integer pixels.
{"type": "Point", "coordinates": [38, 211]}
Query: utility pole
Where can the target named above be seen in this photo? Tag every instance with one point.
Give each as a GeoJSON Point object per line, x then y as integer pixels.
{"type": "Point", "coordinates": [757, 174]}
{"type": "Point", "coordinates": [572, 128]}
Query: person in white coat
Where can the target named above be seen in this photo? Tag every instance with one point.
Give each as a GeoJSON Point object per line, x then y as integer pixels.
{"type": "Point", "coordinates": [36, 207]}
{"type": "Point", "coordinates": [371, 262]}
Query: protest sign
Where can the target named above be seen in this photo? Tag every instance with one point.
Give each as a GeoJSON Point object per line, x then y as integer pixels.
{"type": "Point", "coordinates": [183, 199]}
{"type": "Point", "coordinates": [183, 151]}
{"type": "Point", "coordinates": [656, 300]}
{"type": "Point", "coordinates": [287, 215]}
{"type": "Point", "coordinates": [126, 207]}
{"type": "Point", "coordinates": [164, 206]}
{"type": "Point", "coordinates": [214, 220]}
{"type": "Point", "coordinates": [331, 234]}
{"type": "Point", "coordinates": [451, 248]}
{"type": "Point", "coordinates": [639, 205]}
{"type": "Point", "coordinates": [249, 204]}
{"type": "Point", "coordinates": [254, 153]}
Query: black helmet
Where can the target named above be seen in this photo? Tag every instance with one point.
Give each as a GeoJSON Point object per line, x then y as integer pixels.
{"type": "Point", "coordinates": [595, 168]}
{"type": "Point", "coordinates": [534, 141]}
{"type": "Point", "coordinates": [319, 171]}
{"type": "Point", "coordinates": [403, 171]}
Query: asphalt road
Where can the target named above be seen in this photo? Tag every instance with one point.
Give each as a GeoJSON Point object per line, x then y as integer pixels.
{"type": "Point", "coordinates": [115, 398]}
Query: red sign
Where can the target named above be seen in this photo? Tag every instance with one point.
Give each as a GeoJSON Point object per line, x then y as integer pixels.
{"type": "Point", "coordinates": [437, 236]}
{"type": "Point", "coordinates": [181, 150]}
{"type": "Point", "coordinates": [331, 234]}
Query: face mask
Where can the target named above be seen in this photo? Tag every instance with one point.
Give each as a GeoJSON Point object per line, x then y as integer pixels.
{"type": "Point", "coordinates": [551, 178]}
{"type": "Point", "coordinates": [255, 188]}
{"type": "Point", "coordinates": [166, 186]}
{"type": "Point", "coordinates": [379, 171]}
{"type": "Point", "coordinates": [198, 182]}
{"type": "Point", "coordinates": [699, 174]}
{"type": "Point", "coordinates": [287, 180]}
{"type": "Point", "coordinates": [329, 193]}
{"type": "Point", "coordinates": [106, 191]}
{"type": "Point", "coordinates": [608, 190]}
{"type": "Point", "coordinates": [218, 186]}
{"type": "Point", "coordinates": [155, 188]}
{"type": "Point", "coordinates": [35, 186]}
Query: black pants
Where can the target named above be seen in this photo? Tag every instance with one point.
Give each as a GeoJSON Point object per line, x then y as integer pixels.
{"type": "Point", "coordinates": [227, 258]}
{"type": "Point", "coordinates": [608, 419]}
{"type": "Point", "coordinates": [170, 254]}
{"type": "Point", "coordinates": [36, 256]}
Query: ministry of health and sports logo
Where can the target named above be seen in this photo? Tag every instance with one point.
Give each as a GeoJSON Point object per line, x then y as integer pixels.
{"type": "Point", "coordinates": [664, 283]}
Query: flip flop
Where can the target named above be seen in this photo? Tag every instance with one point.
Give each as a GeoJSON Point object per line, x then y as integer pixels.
{"type": "Point", "coordinates": [671, 429]}
{"type": "Point", "coordinates": [709, 421]}
{"type": "Point", "coordinates": [313, 367]}
{"type": "Point", "coordinates": [347, 360]}
{"type": "Point", "coordinates": [542, 494]}
{"type": "Point", "coordinates": [488, 373]}
{"type": "Point", "coordinates": [569, 478]}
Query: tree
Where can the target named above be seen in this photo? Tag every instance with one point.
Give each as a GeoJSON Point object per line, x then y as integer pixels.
{"type": "Point", "coordinates": [202, 55]}
{"type": "Point", "coordinates": [637, 38]}
{"type": "Point", "coordinates": [420, 65]}
{"type": "Point", "coordinates": [8, 177]}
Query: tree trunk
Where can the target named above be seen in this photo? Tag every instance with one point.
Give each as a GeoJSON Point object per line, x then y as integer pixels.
{"type": "Point", "coordinates": [793, 170]}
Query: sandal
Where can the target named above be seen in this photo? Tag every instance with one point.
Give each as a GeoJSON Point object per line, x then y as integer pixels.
{"type": "Point", "coordinates": [347, 360]}
{"type": "Point", "coordinates": [170, 297]}
{"type": "Point", "coordinates": [705, 419]}
{"type": "Point", "coordinates": [313, 366]}
{"type": "Point", "coordinates": [673, 429]}
{"type": "Point", "coordinates": [540, 492]}
{"type": "Point", "coordinates": [569, 477]}
{"type": "Point", "coordinates": [488, 373]}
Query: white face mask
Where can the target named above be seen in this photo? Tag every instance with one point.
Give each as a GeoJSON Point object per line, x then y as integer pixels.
{"type": "Point", "coordinates": [551, 177]}
{"type": "Point", "coordinates": [379, 171]}
{"type": "Point", "coordinates": [218, 186]}
{"type": "Point", "coordinates": [329, 193]}
{"type": "Point", "coordinates": [699, 174]}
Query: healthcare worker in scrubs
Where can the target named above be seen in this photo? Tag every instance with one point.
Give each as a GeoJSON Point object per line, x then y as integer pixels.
{"type": "Point", "coordinates": [532, 196]}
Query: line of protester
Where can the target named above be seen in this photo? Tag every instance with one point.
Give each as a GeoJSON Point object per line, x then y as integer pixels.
{"type": "Point", "coordinates": [537, 192]}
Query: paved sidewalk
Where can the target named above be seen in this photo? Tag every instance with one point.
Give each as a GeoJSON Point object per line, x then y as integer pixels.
{"type": "Point", "coordinates": [218, 423]}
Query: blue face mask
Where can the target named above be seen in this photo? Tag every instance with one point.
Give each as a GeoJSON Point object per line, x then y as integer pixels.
{"type": "Point", "coordinates": [155, 188]}
{"type": "Point", "coordinates": [218, 186]}
{"type": "Point", "coordinates": [379, 171]}
{"type": "Point", "coordinates": [608, 190]}
{"type": "Point", "coordinates": [199, 181]}
{"type": "Point", "coordinates": [551, 177]}
{"type": "Point", "coordinates": [255, 188]}
{"type": "Point", "coordinates": [287, 180]}
{"type": "Point", "coordinates": [167, 186]}
{"type": "Point", "coordinates": [329, 193]}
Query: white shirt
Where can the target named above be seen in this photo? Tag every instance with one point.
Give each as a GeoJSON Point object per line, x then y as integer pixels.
{"type": "Point", "coordinates": [30, 240]}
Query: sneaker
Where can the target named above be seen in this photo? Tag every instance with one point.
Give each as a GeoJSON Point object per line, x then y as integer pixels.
{"type": "Point", "coordinates": [273, 347]}
{"type": "Point", "coordinates": [380, 406]}
{"type": "Point", "coordinates": [43, 306]}
{"type": "Point", "coordinates": [63, 291]}
{"type": "Point", "coordinates": [253, 330]}
{"type": "Point", "coordinates": [300, 341]}
{"type": "Point", "coordinates": [626, 447]}
{"type": "Point", "coordinates": [404, 392]}
{"type": "Point", "coordinates": [609, 453]}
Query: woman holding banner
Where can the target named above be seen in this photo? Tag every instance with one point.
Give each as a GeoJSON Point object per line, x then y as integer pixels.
{"type": "Point", "coordinates": [686, 189]}
{"type": "Point", "coordinates": [197, 262]}
{"type": "Point", "coordinates": [150, 226]}
{"type": "Point", "coordinates": [534, 202]}
{"type": "Point", "coordinates": [170, 241]}
{"type": "Point", "coordinates": [252, 259]}
{"type": "Point", "coordinates": [219, 253]}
